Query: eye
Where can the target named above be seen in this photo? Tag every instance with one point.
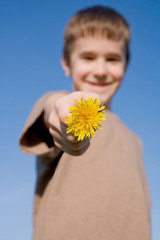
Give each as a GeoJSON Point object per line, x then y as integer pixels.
{"type": "Point", "coordinates": [113, 59]}
{"type": "Point", "coordinates": [88, 58]}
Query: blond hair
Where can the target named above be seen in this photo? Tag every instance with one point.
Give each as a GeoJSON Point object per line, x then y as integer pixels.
{"type": "Point", "coordinates": [97, 20]}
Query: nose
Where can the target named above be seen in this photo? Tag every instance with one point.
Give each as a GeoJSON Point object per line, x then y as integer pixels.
{"type": "Point", "coordinates": [100, 69]}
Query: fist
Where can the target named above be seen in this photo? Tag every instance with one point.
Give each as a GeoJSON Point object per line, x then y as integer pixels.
{"type": "Point", "coordinates": [65, 141]}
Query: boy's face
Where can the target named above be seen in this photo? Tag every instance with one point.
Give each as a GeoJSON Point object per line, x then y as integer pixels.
{"type": "Point", "coordinates": [97, 65]}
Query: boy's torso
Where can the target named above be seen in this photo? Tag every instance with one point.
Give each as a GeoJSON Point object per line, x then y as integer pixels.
{"type": "Point", "coordinates": [103, 192]}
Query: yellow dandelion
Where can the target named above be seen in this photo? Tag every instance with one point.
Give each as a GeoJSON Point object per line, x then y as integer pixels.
{"type": "Point", "coordinates": [85, 119]}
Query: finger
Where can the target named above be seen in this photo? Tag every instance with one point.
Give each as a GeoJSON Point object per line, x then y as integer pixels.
{"type": "Point", "coordinates": [56, 126]}
{"type": "Point", "coordinates": [58, 131]}
{"type": "Point", "coordinates": [74, 145]}
{"type": "Point", "coordinates": [54, 120]}
{"type": "Point", "coordinates": [65, 148]}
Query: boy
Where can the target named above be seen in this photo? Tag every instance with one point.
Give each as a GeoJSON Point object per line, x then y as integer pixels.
{"type": "Point", "coordinates": [90, 190]}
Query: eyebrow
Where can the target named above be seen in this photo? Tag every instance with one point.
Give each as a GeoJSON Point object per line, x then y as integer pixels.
{"type": "Point", "coordinates": [116, 55]}
{"type": "Point", "coordinates": [87, 53]}
{"type": "Point", "coordinates": [109, 54]}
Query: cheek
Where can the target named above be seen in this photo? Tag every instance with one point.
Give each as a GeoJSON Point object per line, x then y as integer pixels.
{"type": "Point", "coordinates": [80, 72]}
{"type": "Point", "coordinates": [117, 72]}
{"type": "Point", "coordinates": [77, 76]}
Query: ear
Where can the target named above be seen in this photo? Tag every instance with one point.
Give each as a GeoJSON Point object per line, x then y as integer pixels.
{"type": "Point", "coordinates": [65, 67]}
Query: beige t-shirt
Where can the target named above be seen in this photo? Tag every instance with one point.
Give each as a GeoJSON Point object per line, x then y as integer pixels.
{"type": "Point", "coordinates": [100, 195]}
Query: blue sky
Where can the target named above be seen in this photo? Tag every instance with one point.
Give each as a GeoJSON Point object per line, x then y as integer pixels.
{"type": "Point", "coordinates": [30, 51]}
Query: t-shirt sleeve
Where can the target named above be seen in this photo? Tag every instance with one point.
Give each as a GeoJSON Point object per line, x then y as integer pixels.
{"type": "Point", "coordinates": [35, 138]}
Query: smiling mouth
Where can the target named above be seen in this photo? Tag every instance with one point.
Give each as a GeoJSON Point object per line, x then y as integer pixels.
{"type": "Point", "coordinates": [99, 84]}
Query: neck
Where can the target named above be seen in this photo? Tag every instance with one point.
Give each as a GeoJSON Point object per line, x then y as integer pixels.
{"type": "Point", "coordinates": [108, 105]}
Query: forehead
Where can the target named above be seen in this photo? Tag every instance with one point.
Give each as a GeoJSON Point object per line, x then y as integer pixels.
{"type": "Point", "coordinates": [98, 45]}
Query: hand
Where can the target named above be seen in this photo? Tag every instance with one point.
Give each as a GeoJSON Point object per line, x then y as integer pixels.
{"type": "Point", "coordinates": [67, 142]}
